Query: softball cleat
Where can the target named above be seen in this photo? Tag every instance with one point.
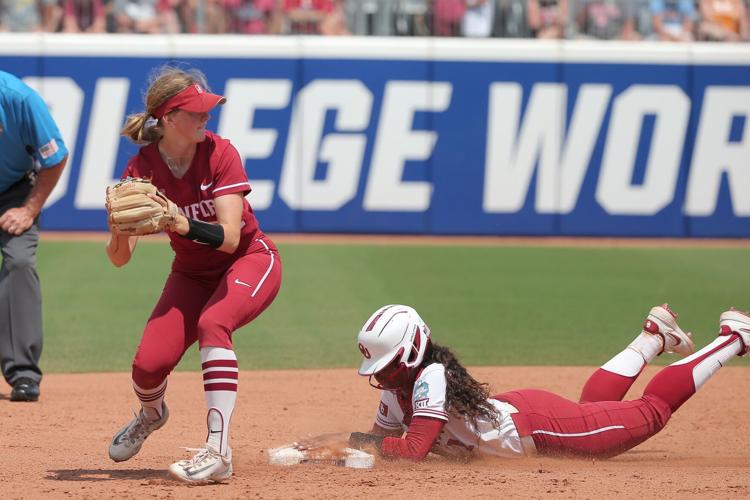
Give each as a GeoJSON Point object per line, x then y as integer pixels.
{"type": "Point", "coordinates": [207, 466]}
{"type": "Point", "coordinates": [734, 321]}
{"type": "Point", "coordinates": [128, 440]}
{"type": "Point", "coordinates": [661, 321]}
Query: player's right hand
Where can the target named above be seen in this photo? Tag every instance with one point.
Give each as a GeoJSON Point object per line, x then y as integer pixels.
{"type": "Point", "coordinates": [16, 221]}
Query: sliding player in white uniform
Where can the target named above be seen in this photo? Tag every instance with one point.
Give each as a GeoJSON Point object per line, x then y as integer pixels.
{"type": "Point", "coordinates": [431, 403]}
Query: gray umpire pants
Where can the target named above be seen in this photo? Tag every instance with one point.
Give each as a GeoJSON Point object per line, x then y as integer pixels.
{"type": "Point", "coordinates": [20, 296]}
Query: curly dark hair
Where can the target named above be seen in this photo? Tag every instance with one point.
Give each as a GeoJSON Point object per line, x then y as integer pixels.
{"type": "Point", "coordinates": [464, 396]}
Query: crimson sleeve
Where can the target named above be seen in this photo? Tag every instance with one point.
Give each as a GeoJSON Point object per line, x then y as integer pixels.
{"type": "Point", "coordinates": [229, 173]}
{"type": "Point", "coordinates": [421, 435]}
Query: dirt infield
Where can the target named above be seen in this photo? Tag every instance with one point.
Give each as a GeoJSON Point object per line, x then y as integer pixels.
{"type": "Point", "coordinates": [57, 448]}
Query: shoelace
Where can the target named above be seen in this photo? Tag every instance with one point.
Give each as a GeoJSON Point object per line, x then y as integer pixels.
{"type": "Point", "coordinates": [202, 455]}
{"type": "Point", "coordinates": [138, 429]}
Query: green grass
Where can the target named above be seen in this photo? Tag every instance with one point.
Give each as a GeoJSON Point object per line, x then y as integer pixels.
{"type": "Point", "coordinates": [492, 305]}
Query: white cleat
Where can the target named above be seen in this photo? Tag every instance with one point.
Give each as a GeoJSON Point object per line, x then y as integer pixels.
{"type": "Point", "coordinates": [207, 466]}
{"type": "Point", "coordinates": [661, 320]}
{"type": "Point", "coordinates": [128, 440]}
{"type": "Point", "coordinates": [734, 321]}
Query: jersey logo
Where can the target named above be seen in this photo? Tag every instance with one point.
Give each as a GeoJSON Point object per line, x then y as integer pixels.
{"type": "Point", "coordinates": [204, 210]}
{"type": "Point", "coordinates": [242, 283]}
{"type": "Point", "coordinates": [364, 351]}
{"type": "Point", "coordinates": [422, 403]}
{"type": "Point", "coordinates": [421, 391]}
{"type": "Point", "coordinates": [206, 186]}
{"type": "Point", "coordinates": [383, 409]}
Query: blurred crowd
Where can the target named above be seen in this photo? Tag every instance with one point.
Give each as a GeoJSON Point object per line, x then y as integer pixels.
{"type": "Point", "coordinates": [674, 20]}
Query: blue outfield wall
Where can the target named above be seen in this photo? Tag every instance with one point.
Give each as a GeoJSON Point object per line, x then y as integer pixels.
{"type": "Point", "coordinates": [432, 136]}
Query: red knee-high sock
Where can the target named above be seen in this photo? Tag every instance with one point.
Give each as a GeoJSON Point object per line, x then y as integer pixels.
{"type": "Point", "coordinates": [676, 383]}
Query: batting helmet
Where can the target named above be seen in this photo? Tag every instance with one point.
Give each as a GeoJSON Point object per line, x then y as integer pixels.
{"type": "Point", "coordinates": [394, 333]}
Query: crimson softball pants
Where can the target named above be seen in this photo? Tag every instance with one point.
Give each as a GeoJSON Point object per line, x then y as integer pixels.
{"type": "Point", "coordinates": [600, 428]}
{"type": "Point", "coordinates": [207, 311]}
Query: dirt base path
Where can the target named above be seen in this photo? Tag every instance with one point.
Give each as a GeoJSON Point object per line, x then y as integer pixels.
{"type": "Point", "coordinates": [57, 448]}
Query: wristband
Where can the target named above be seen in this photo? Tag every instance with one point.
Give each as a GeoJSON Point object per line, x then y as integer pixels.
{"type": "Point", "coordinates": [205, 233]}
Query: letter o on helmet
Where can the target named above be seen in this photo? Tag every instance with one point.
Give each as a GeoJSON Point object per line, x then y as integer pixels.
{"type": "Point", "coordinates": [364, 351]}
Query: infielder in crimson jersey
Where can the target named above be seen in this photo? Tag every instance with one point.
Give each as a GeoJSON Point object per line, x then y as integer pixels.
{"type": "Point", "coordinates": [431, 398]}
{"type": "Point", "coordinates": [224, 274]}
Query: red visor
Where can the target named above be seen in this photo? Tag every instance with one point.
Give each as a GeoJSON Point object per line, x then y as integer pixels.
{"type": "Point", "coordinates": [193, 98]}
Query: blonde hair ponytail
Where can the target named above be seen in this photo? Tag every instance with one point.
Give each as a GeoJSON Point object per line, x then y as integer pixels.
{"type": "Point", "coordinates": [138, 129]}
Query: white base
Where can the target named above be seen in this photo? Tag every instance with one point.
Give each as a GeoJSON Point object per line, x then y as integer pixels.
{"type": "Point", "coordinates": [285, 455]}
{"type": "Point", "coordinates": [289, 455]}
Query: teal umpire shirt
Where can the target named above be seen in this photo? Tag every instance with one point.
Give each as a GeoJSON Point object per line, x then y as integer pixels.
{"type": "Point", "coordinates": [27, 132]}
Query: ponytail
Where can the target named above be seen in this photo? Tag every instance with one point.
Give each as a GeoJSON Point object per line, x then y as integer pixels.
{"type": "Point", "coordinates": [140, 129]}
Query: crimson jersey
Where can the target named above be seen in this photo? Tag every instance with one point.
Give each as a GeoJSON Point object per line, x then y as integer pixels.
{"type": "Point", "coordinates": [216, 170]}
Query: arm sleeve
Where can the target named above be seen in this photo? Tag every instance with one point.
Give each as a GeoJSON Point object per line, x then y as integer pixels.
{"type": "Point", "coordinates": [421, 435]}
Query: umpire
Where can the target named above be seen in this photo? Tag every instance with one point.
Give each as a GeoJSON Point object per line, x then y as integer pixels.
{"type": "Point", "coordinates": [32, 157]}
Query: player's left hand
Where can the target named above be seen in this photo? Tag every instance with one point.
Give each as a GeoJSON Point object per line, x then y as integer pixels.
{"type": "Point", "coordinates": [171, 209]}
{"type": "Point", "coordinates": [16, 221]}
{"type": "Point", "coordinates": [322, 441]}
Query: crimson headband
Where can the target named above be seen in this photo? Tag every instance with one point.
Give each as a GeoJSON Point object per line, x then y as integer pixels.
{"type": "Point", "coordinates": [192, 98]}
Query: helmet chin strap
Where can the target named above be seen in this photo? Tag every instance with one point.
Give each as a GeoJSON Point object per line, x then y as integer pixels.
{"type": "Point", "coordinates": [378, 386]}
